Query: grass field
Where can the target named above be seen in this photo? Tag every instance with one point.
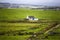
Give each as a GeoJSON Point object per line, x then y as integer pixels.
{"type": "Point", "coordinates": [12, 31]}
{"type": "Point", "coordinates": [15, 14]}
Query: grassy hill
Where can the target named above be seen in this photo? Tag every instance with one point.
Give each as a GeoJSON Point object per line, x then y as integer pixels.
{"type": "Point", "coordinates": [15, 14]}
{"type": "Point", "coordinates": [23, 31]}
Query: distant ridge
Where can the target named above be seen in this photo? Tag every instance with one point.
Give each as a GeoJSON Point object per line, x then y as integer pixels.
{"type": "Point", "coordinates": [4, 3]}
{"type": "Point", "coordinates": [28, 6]}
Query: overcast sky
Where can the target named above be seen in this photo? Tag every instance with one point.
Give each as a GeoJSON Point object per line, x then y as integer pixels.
{"type": "Point", "coordinates": [36, 2]}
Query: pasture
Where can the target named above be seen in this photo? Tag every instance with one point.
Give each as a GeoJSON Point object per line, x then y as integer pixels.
{"type": "Point", "coordinates": [25, 30]}
{"type": "Point", "coordinates": [16, 14]}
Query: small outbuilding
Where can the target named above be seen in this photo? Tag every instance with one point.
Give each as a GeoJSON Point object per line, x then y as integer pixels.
{"type": "Point", "coordinates": [31, 18]}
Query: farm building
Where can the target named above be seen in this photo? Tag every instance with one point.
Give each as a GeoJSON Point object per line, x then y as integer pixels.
{"type": "Point", "coordinates": [31, 18]}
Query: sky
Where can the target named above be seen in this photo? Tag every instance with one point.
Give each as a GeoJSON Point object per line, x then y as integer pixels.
{"type": "Point", "coordinates": [35, 2]}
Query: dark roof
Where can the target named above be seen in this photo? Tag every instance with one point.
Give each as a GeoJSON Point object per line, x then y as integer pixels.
{"type": "Point", "coordinates": [31, 16]}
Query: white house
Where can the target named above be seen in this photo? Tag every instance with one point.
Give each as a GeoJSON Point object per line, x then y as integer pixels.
{"type": "Point", "coordinates": [31, 18]}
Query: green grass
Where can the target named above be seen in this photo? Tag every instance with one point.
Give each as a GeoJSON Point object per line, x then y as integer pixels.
{"type": "Point", "coordinates": [16, 14]}
{"type": "Point", "coordinates": [56, 36]}
{"type": "Point", "coordinates": [16, 26]}
{"type": "Point", "coordinates": [23, 37]}
{"type": "Point", "coordinates": [5, 27]}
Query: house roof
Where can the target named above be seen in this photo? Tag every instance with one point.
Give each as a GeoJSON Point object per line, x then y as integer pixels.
{"type": "Point", "coordinates": [31, 16]}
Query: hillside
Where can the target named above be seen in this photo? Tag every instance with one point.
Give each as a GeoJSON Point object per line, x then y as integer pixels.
{"type": "Point", "coordinates": [16, 14]}
{"type": "Point", "coordinates": [13, 25]}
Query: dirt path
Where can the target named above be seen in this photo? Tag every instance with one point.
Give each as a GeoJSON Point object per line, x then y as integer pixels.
{"type": "Point", "coordinates": [52, 28]}
{"type": "Point", "coordinates": [45, 31]}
